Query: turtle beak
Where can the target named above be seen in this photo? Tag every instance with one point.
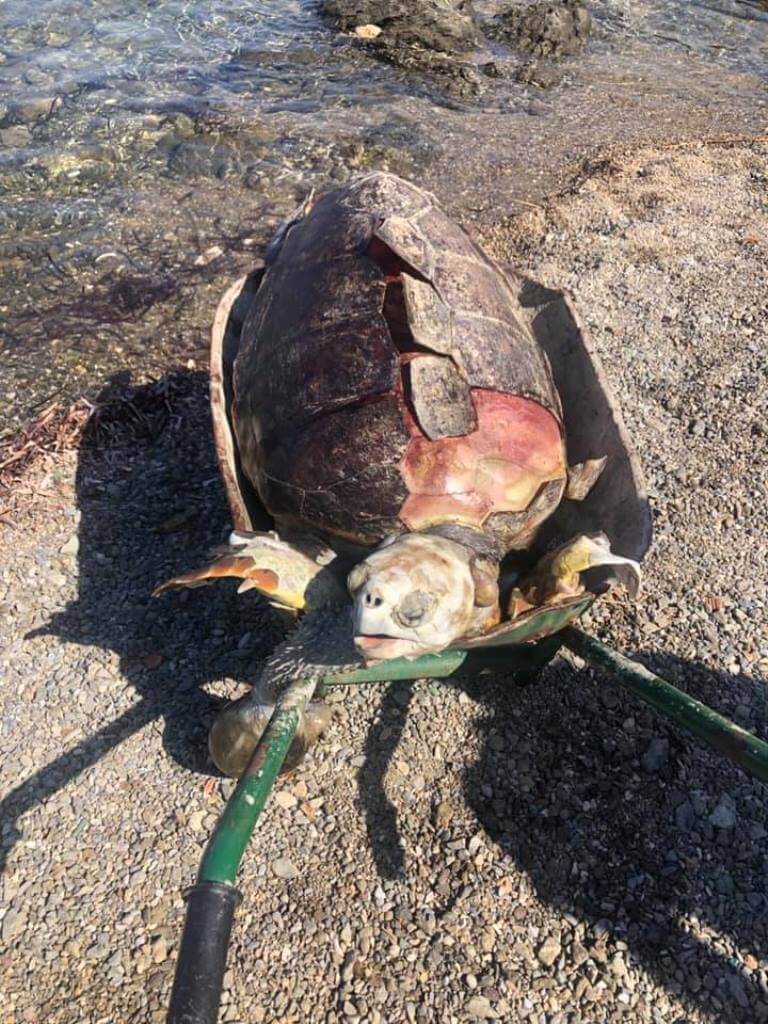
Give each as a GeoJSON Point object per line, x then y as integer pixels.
{"type": "Point", "coordinates": [383, 648]}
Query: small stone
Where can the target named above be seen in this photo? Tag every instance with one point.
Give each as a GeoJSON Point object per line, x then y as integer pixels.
{"type": "Point", "coordinates": [480, 1008]}
{"type": "Point", "coordinates": [196, 820]}
{"type": "Point", "coordinates": [72, 546]}
{"type": "Point", "coordinates": [685, 816]}
{"type": "Point", "coordinates": [549, 951]}
{"type": "Point", "coordinates": [444, 814]}
{"type": "Point", "coordinates": [724, 815]}
{"type": "Point", "coordinates": [617, 966]}
{"type": "Point", "coordinates": [159, 950]}
{"type": "Point", "coordinates": [736, 986]}
{"type": "Point", "coordinates": [152, 661]}
{"type": "Point", "coordinates": [655, 757]}
{"type": "Point", "coordinates": [13, 924]}
{"type": "Point", "coordinates": [209, 256]}
{"type": "Point", "coordinates": [367, 31]}
{"type": "Point", "coordinates": [286, 800]}
{"type": "Point", "coordinates": [284, 868]}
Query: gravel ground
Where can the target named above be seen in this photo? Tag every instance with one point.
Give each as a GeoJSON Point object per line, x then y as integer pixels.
{"type": "Point", "coordinates": [450, 852]}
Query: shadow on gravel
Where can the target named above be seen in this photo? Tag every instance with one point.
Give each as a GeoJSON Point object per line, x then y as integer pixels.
{"type": "Point", "coordinates": [381, 741]}
{"type": "Point", "coordinates": [151, 505]}
{"type": "Point", "coordinates": [619, 833]}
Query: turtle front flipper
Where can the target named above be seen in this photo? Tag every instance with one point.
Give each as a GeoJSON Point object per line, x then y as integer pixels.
{"type": "Point", "coordinates": [557, 576]}
{"type": "Point", "coordinates": [279, 571]}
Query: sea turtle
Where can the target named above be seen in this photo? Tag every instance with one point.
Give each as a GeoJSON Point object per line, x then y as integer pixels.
{"type": "Point", "coordinates": [408, 416]}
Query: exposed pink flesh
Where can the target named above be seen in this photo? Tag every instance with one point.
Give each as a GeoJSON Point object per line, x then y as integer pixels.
{"type": "Point", "coordinates": [499, 467]}
{"type": "Point", "coordinates": [422, 510]}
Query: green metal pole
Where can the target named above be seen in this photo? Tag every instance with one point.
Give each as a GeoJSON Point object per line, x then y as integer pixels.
{"type": "Point", "coordinates": [211, 902]}
{"type": "Point", "coordinates": [227, 844]}
{"type": "Point", "coordinates": [706, 725]}
{"type": "Point", "coordinates": [429, 666]}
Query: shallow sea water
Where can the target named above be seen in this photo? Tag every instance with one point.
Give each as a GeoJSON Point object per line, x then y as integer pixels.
{"type": "Point", "coordinates": [147, 150]}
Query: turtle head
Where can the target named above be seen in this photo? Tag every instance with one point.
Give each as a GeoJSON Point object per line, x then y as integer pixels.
{"type": "Point", "coordinates": [416, 594]}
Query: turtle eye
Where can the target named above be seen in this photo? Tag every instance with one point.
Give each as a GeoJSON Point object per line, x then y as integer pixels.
{"type": "Point", "coordinates": [414, 608]}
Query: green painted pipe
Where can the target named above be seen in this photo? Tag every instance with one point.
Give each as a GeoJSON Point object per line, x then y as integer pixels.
{"type": "Point", "coordinates": [429, 666]}
{"type": "Point", "coordinates": [705, 724]}
{"type": "Point", "coordinates": [227, 844]}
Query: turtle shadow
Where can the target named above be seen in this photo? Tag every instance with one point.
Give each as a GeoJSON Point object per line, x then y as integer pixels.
{"type": "Point", "coordinates": [381, 741]}
{"type": "Point", "coordinates": [150, 505]}
{"type": "Point", "coordinates": [608, 810]}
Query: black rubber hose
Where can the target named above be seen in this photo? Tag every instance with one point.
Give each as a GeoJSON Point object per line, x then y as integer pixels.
{"type": "Point", "coordinates": [203, 954]}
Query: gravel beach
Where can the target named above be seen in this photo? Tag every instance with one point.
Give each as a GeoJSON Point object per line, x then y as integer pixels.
{"type": "Point", "coordinates": [449, 852]}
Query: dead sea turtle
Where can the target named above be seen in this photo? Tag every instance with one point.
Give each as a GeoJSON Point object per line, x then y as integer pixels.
{"type": "Point", "coordinates": [378, 384]}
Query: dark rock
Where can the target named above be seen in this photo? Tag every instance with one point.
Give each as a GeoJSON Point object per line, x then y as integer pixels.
{"type": "Point", "coordinates": [31, 110]}
{"type": "Point", "coordinates": [447, 26]}
{"type": "Point", "coordinates": [491, 69]}
{"type": "Point", "coordinates": [724, 815]}
{"type": "Point", "coordinates": [655, 757]}
{"type": "Point", "coordinates": [545, 29]}
{"type": "Point", "coordinates": [685, 816]}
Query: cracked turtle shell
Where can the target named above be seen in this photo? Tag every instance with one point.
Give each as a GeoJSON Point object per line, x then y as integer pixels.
{"type": "Point", "coordinates": [387, 379]}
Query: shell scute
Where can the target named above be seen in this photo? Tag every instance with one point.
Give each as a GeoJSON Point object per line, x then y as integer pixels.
{"type": "Point", "coordinates": [385, 194]}
{"type": "Point", "coordinates": [405, 240]}
{"type": "Point", "coordinates": [433, 223]}
{"type": "Point", "coordinates": [428, 316]}
{"type": "Point", "coordinates": [440, 397]}
{"type": "Point", "coordinates": [305, 358]}
{"type": "Point", "coordinates": [324, 475]}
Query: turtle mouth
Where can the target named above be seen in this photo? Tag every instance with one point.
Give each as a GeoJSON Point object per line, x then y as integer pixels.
{"type": "Point", "coordinates": [383, 646]}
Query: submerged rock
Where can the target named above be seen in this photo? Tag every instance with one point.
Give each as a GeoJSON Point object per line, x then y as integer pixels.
{"type": "Point", "coordinates": [543, 28]}
{"type": "Point", "coordinates": [447, 26]}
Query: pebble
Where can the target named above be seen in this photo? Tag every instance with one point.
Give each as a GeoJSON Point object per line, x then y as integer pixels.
{"type": "Point", "coordinates": [685, 816]}
{"type": "Point", "coordinates": [196, 821]}
{"type": "Point", "coordinates": [479, 1008]}
{"type": "Point", "coordinates": [367, 31]}
{"type": "Point", "coordinates": [72, 546]}
{"type": "Point", "coordinates": [656, 754]}
{"type": "Point", "coordinates": [724, 815]}
{"type": "Point", "coordinates": [209, 256]}
{"type": "Point", "coordinates": [549, 951]}
{"type": "Point", "coordinates": [284, 868]}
